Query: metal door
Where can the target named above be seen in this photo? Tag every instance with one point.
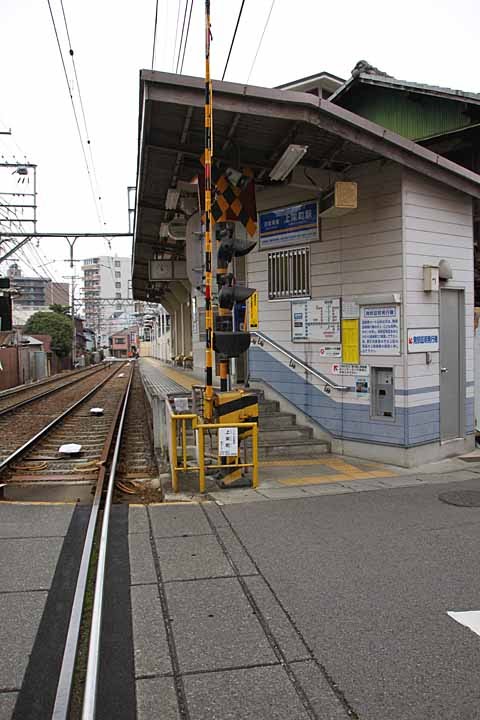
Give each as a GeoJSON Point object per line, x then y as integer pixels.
{"type": "Point", "coordinates": [452, 364]}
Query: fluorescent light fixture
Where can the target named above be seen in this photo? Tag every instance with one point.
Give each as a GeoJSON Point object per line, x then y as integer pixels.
{"type": "Point", "coordinates": [163, 230]}
{"type": "Point", "coordinates": [172, 198]}
{"type": "Point", "coordinates": [290, 158]}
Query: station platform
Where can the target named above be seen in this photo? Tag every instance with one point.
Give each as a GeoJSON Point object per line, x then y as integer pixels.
{"type": "Point", "coordinates": [284, 476]}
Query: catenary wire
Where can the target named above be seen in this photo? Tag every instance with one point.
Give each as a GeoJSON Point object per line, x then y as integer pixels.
{"type": "Point", "coordinates": [155, 33]}
{"type": "Point", "coordinates": [186, 36]}
{"type": "Point", "coordinates": [82, 108]}
{"type": "Point", "coordinates": [176, 33]}
{"type": "Point", "coordinates": [233, 38]}
{"type": "Point", "coordinates": [181, 37]}
{"type": "Point", "coordinates": [74, 112]}
{"type": "Point", "coordinates": [261, 40]}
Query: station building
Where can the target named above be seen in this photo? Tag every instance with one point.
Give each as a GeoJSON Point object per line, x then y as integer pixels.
{"type": "Point", "coordinates": [363, 264]}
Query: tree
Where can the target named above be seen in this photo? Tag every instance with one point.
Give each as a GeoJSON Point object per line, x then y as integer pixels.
{"type": "Point", "coordinates": [55, 324]}
{"type": "Point", "coordinates": [60, 309]}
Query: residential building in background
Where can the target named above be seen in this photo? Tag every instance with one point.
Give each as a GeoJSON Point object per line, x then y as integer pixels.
{"type": "Point", "coordinates": [107, 295]}
{"type": "Point", "coordinates": [36, 291]}
{"type": "Point", "coordinates": [125, 343]}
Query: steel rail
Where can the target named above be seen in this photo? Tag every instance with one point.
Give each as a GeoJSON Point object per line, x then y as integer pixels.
{"type": "Point", "coordinates": [65, 682]}
{"type": "Point", "coordinates": [46, 393]}
{"type": "Point", "coordinates": [91, 680]}
{"type": "Point", "coordinates": [19, 451]}
{"type": "Point", "coordinates": [45, 381]}
{"type": "Point", "coordinates": [294, 359]}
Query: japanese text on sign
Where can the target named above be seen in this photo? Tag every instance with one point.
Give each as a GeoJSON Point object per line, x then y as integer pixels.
{"type": "Point", "coordinates": [380, 330]}
{"type": "Point", "coordinates": [422, 340]}
{"type": "Point", "coordinates": [289, 225]}
{"type": "Point", "coordinates": [316, 320]}
{"type": "Point", "coordinates": [228, 441]}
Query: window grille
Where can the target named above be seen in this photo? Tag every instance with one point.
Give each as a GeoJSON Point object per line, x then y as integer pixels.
{"type": "Point", "coordinates": [288, 273]}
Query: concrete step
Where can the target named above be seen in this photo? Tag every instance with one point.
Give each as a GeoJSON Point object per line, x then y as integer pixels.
{"type": "Point", "coordinates": [268, 406]}
{"type": "Point", "coordinates": [294, 449]}
{"type": "Point", "coordinates": [270, 421]}
{"type": "Point", "coordinates": [283, 435]}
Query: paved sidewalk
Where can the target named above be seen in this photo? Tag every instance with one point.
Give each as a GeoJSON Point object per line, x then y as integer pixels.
{"type": "Point", "coordinates": [208, 632]}
{"type": "Point", "coordinates": [38, 548]}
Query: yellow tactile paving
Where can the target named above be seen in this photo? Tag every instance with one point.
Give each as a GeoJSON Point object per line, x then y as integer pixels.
{"type": "Point", "coordinates": [179, 377]}
{"type": "Point", "coordinates": [345, 471]}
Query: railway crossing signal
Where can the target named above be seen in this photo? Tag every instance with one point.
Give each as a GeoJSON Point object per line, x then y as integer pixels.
{"type": "Point", "coordinates": [229, 341]}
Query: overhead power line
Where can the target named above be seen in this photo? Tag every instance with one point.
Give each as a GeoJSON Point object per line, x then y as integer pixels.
{"type": "Point", "coordinates": [82, 108]}
{"type": "Point", "coordinates": [261, 40]}
{"type": "Point", "coordinates": [176, 33]}
{"type": "Point", "coordinates": [233, 38]}
{"type": "Point", "coordinates": [155, 34]}
{"type": "Point", "coordinates": [186, 36]}
{"type": "Point", "coordinates": [181, 37]}
{"type": "Point", "coordinates": [74, 113]}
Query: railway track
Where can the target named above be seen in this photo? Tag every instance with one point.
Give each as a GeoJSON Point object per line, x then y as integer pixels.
{"type": "Point", "coordinates": [23, 420]}
{"type": "Point", "coordinates": [13, 398]}
{"type": "Point", "coordinates": [116, 448]}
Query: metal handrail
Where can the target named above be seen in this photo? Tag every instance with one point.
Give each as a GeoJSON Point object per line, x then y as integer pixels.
{"type": "Point", "coordinates": [297, 361]}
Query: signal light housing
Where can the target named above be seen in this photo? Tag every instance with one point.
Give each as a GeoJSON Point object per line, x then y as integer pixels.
{"type": "Point", "coordinates": [231, 344]}
{"type": "Point", "coordinates": [231, 294]}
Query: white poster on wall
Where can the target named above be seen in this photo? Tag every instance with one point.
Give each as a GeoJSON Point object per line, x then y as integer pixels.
{"type": "Point", "coordinates": [380, 330]}
{"type": "Point", "coordinates": [330, 351]}
{"type": "Point", "coordinates": [360, 370]}
{"type": "Point", "coordinates": [316, 320]}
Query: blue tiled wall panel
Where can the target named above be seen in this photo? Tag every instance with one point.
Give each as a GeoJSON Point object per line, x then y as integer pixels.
{"type": "Point", "coordinates": [349, 420]}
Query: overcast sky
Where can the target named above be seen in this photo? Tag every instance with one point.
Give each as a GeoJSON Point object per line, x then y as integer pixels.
{"type": "Point", "coordinates": [422, 40]}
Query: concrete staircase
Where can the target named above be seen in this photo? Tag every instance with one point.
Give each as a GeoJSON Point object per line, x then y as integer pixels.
{"type": "Point", "coordinates": [281, 438]}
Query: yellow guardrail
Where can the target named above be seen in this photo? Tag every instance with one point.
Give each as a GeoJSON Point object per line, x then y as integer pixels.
{"type": "Point", "coordinates": [180, 421]}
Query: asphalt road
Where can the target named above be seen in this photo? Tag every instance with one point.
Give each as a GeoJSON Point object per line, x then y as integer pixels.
{"type": "Point", "coordinates": [368, 578]}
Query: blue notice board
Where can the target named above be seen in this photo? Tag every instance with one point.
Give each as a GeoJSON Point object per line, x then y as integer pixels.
{"type": "Point", "coordinates": [293, 225]}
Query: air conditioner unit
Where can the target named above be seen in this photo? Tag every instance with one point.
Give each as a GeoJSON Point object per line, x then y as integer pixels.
{"type": "Point", "coordinates": [338, 200]}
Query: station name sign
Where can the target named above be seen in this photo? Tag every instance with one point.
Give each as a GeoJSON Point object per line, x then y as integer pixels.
{"type": "Point", "coordinates": [292, 225]}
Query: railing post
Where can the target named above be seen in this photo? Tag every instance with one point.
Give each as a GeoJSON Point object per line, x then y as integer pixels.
{"type": "Point", "coordinates": [173, 459]}
{"type": "Point", "coordinates": [201, 459]}
{"type": "Point", "coordinates": [255, 456]}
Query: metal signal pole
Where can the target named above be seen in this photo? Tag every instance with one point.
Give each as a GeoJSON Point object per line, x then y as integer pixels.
{"type": "Point", "coordinates": [208, 410]}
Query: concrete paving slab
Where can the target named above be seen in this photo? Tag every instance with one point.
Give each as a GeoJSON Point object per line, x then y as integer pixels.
{"type": "Point", "coordinates": [137, 519]}
{"type": "Point", "coordinates": [156, 699]}
{"type": "Point", "coordinates": [461, 475]}
{"type": "Point", "coordinates": [282, 493]}
{"type": "Point", "coordinates": [142, 569]}
{"type": "Point", "coordinates": [7, 703]}
{"type": "Point", "coordinates": [401, 481]}
{"type": "Point", "coordinates": [326, 489]}
{"type": "Point", "coordinates": [20, 615]}
{"type": "Point", "coordinates": [321, 696]}
{"type": "Point", "coordinates": [214, 626]}
{"type": "Point", "coordinates": [215, 514]}
{"type": "Point", "coordinates": [24, 520]}
{"type": "Point", "coordinates": [250, 694]}
{"type": "Point", "coordinates": [178, 521]}
{"type": "Point", "coordinates": [283, 631]}
{"type": "Point", "coordinates": [192, 558]}
{"type": "Point", "coordinates": [242, 562]}
{"type": "Point", "coordinates": [150, 645]}
{"type": "Point", "coordinates": [361, 485]}
{"type": "Point", "coordinates": [28, 564]}
{"type": "Point", "coordinates": [236, 495]}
